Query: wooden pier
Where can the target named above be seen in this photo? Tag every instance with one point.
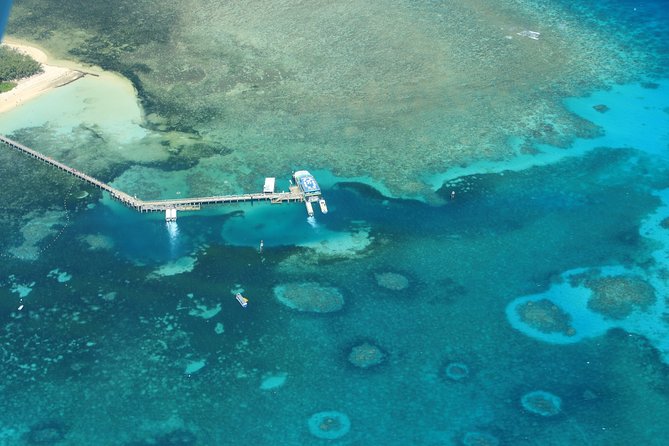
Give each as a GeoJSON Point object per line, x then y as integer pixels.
{"type": "Point", "coordinates": [181, 204]}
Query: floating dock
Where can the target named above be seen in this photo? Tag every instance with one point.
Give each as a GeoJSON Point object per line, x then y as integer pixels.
{"type": "Point", "coordinates": [304, 190]}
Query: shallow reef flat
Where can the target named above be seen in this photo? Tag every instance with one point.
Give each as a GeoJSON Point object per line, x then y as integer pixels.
{"type": "Point", "coordinates": [528, 308]}
{"type": "Point", "coordinates": [394, 90]}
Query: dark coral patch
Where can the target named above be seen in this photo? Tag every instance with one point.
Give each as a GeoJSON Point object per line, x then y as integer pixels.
{"type": "Point", "coordinates": [50, 432]}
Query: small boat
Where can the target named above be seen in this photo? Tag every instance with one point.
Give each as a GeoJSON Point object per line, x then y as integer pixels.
{"type": "Point", "coordinates": [324, 207]}
{"type": "Point", "coordinates": [242, 300]}
{"type": "Point", "coordinates": [310, 208]}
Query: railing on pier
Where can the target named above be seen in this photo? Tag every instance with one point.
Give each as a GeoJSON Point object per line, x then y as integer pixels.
{"type": "Point", "coordinates": [184, 204]}
{"type": "Point", "coordinates": [117, 194]}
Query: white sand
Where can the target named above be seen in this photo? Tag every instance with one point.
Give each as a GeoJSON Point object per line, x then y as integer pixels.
{"type": "Point", "coordinates": [29, 88]}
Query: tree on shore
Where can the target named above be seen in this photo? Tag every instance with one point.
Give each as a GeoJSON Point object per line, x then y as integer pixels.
{"type": "Point", "coordinates": [15, 66]}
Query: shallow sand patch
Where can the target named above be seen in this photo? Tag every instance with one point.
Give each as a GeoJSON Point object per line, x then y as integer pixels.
{"type": "Point", "coordinates": [97, 242]}
{"type": "Point", "coordinates": [60, 276]}
{"type": "Point", "coordinates": [22, 289]}
{"type": "Point", "coordinates": [179, 266]}
{"type": "Point", "coordinates": [31, 87]}
{"type": "Point", "coordinates": [273, 381]}
{"type": "Point", "coordinates": [205, 312]}
{"type": "Point", "coordinates": [342, 244]}
{"type": "Point", "coordinates": [38, 227]}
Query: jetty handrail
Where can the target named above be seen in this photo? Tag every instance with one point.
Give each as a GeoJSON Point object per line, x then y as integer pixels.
{"type": "Point", "coordinates": [155, 205]}
{"type": "Point", "coordinates": [219, 198]}
{"type": "Point", "coordinates": [34, 153]}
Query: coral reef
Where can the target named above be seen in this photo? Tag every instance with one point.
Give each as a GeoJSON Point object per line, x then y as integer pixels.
{"type": "Point", "coordinates": [617, 296]}
{"type": "Point", "coordinates": [456, 371]}
{"type": "Point", "coordinates": [542, 403]}
{"type": "Point", "coordinates": [546, 317]}
{"type": "Point", "coordinates": [366, 355]}
{"type": "Point", "coordinates": [309, 297]}
{"type": "Point", "coordinates": [48, 432]}
{"type": "Point", "coordinates": [479, 439]}
{"type": "Point", "coordinates": [96, 242]}
{"type": "Point", "coordinates": [273, 381]}
{"type": "Point", "coordinates": [665, 223]}
{"type": "Point", "coordinates": [177, 437]}
{"type": "Point", "coordinates": [38, 227]}
{"type": "Point", "coordinates": [329, 425]}
{"type": "Point", "coordinates": [392, 281]}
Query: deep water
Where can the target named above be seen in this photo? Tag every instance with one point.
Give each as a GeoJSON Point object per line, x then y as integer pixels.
{"type": "Point", "coordinates": [121, 329]}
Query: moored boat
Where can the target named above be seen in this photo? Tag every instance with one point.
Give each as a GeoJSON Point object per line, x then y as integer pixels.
{"type": "Point", "coordinates": [310, 208]}
{"type": "Point", "coordinates": [242, 300]}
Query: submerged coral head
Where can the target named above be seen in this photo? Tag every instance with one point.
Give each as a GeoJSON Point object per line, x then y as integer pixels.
{"type": "Point", "coordinates": [542, 403]}
{"type": "Point", "coordinates": [366, 355]}
{"type": "Point", "coordinates": [545, 316]}
{"type": "Point", "coordinates": [616, 297]}
{"type": "Point", "coordinates": [309, 297]}
{"type": "Point", "coordinates": [329, 425]}
{"type": "Point", "coordinates": [392, 281]}
{"type": "Point", "coordinates": [456, 371]}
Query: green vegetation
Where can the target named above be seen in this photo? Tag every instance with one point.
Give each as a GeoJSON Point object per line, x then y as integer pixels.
{"type": "Point", "coordinates": [14, 65]}
{"type": "Point", "coordinates": [6, 86]}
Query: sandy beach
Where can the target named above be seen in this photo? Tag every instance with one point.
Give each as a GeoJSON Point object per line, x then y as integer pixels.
{"type": "Point", "coordinates": [31, 87]}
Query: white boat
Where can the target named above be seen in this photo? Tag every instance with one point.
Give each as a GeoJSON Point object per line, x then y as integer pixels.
{"type": "Point", "coordinates": [170, 214]}
{"type": "Point", "coordinates": [268, 188]}
{"type": "Point", "coordinates": [310, 208]}
{"type": "Point", "coordinates": [242, 300]}
{"type": "Point", "coordinates": [324, 207]}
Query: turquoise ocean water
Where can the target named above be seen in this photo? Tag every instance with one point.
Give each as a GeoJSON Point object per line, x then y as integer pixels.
{"type": "Point", "coordinates": [528, 308]}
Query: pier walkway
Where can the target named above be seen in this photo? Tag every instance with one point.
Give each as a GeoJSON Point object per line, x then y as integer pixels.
{"type": "Point", "coordinates": [182, 204]}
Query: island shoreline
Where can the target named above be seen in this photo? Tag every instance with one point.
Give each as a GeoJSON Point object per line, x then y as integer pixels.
{"type": "Point", "coordinates": [52, 76]}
